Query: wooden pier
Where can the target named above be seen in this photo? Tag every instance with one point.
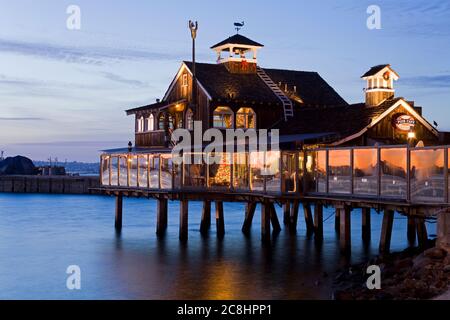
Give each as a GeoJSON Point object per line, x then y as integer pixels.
{"type": "Point", "coordinates": [309, 189]}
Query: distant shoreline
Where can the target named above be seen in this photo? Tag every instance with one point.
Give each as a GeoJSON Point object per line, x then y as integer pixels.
{"type": "Point", "coordinates": [49, 184]}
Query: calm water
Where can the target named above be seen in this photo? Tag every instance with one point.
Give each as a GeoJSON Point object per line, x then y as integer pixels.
{"type": "Point", "coordinates": [40, 235]}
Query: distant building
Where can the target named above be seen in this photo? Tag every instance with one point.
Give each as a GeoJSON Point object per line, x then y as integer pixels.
{"type": "Point", "coordinates": [52, 171]}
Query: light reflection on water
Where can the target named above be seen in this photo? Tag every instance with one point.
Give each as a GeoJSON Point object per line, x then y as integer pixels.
{"type": "Point", "coordinates": [40, 235]}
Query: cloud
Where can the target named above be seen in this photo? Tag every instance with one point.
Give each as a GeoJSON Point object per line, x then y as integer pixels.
{"type": "Point", "coordinates": [435, 81]}
{"type": "Point", "coordinates": [117, 78]}
{"type": "Point", "coordinates": [82, 55]}
{"type": "Point", "coordinates": [21, 119]}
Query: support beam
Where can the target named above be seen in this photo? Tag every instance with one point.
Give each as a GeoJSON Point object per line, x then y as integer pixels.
{"type": "Point", "coordinates": [422, 235]}
{"type": "Point", "coordinates": [294, 216]}
{"type": "Point", "coordinates": [220, 223]}
{"type": "Point", "coordinates": [337, 220]}
{"type": "Point", "coordinates": [265, 222]}
{"type": "Point", "coordinates": [411, 230]}
{"type": "Point", "coordinates": [161, 216]}
{"type": "Point", "coordinates": [345, 229]}
{"type": "Point", "coordinates": [184, 211]}
{"type": "Point", "coordinates": [274, 219]}
{"type": "Point", "coordinates": [308, 218]}
{"type": "Point", "coordinates": [365, 224]}
{"type": "Point", "coordinates": [119, 209]}
{"type": "Point", "coordinates": [286, 213]}
{"type": "Point", "coordinates": [386, 231]}
{"type": "Point", "coordinates": [318, 221]}
{"type": "Point", "coordinates": [250, 208]}
{"type": "Point", "coordinates": [205, 223]}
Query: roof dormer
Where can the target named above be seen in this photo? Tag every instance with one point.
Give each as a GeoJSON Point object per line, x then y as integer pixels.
{"type": "Point", "coordinates": [380, 84]}
{"type": "Point", "coordinates": [238, 54]}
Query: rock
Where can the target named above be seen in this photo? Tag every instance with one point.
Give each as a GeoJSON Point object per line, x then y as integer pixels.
{"type": "Point", "coordinates": [403, 264]}
{"type": "Point", "coordinates": [446, 268]}
{"type": "Point", "coordinates": [17, 166]}
{"type": "Point", "coordinates": [421, 261]}
{"type": "Point", "coordinates": [435, 253]}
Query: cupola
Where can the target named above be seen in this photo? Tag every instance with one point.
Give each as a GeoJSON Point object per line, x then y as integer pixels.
{"type": "Point", "coordinates": [238, 54]}
{"type": "Point", "coordinates": [380, 84]}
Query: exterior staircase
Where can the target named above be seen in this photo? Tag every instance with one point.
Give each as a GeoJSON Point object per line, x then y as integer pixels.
{"type": "Point", "coordinates": [287, 103]}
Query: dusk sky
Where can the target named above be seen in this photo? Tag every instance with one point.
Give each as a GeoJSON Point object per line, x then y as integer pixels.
{"type": "Point", "coordinates": [63, 92]}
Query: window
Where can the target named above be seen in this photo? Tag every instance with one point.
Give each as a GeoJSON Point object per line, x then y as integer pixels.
{"type": "Point", "coordinates": [140, 124]}
{"type": "Point", "coordinates": [171, 122]}
{"type": "Point", "coordinates": [151, 123]}
{"type": "Point", "coordinates": [189, 120]}
{"type": "Point", "coordinates": [223, 118]}
{"type": "Point", "coordinates": [246, 118]}
{"type": "Point", "coordinates": [161, 120]}
{"type": "Point", "coordinates": [185, 80]}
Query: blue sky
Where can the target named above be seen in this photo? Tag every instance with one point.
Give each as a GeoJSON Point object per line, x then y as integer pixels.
{"type": "Point", "coordinates": [63, 92]}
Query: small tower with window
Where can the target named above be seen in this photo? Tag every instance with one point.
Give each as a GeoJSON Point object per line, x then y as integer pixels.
{"type": "Point", "coordinates": [238, 54]}
{"type": "Point", "coordinates": [380, 84]}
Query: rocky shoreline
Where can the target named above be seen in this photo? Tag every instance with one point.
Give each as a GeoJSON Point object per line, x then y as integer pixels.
{"type": "Point", "coordinates": [408, 275]}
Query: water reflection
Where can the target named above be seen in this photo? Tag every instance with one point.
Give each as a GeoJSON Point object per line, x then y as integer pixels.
{"type": "Point", "coordinates": [57, 231]}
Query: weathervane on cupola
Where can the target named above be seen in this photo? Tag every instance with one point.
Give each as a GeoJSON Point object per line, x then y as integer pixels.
{"type": "Point", "coordinates": [238, 26]}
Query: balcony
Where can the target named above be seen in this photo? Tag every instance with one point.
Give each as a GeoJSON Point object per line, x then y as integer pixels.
{"type": "Point", "coordinates": [150, 139]}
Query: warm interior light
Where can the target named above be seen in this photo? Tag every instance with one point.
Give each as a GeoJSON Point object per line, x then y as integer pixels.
{"type": "Point", "coordinates": [411, 135]}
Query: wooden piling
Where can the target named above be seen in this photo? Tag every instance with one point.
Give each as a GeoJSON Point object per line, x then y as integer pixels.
{"type": "Point", "coordinates": [265, 222]}
{"type": "Point", "coordinates": [119, 209]}
{"type": "Point", "coordinates": [365, 224]}
{"type": "Point", "coordinates": [294, 216]}
{"type": "Point", "coordinates": [205, 223]}
{"type": "Point", "coordinates": [308, 218]}
{"type": "Point", "coordinates": [184, 211]}
{"type": "Point", "coordinates": [337, 220]}
{"type": "Point", "coordinates": [286, 213]}
{"type": "Point", "coordinates": [386, 231]}
{"type": "Point", "coordinates": [411, 233]}
{"type": "Point", "coordinates": [220, 223]}
{"type": "Point", "coordinates": [161, 216]}
{"type": "Point", "coordinates": [318, 221]}
{"type": "Point", "coordinates": [249, 213]}
{"type": "Point", "coordinates": [345, 229]}
{"type": "Point", "coordinates": [422, 235]}
{"type": "Point", "coordinates": [274, 219]}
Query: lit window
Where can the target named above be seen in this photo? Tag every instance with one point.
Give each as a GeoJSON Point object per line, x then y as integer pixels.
{"type": "Point", "coordinates": [140, 124]}
{"type": "Point", "coordinates": [185, 80]}
{"type": "Point", "coordinates": [223, 118]}
{"type": "Point", "coordinates": [171, 124]}
{"type": "Point", "coordinates": [246, 118]}
{"type": "Point", "coordinates": [151, 123]}
{"type": "Point", "coordinates": [161, 120]}
{"type": "Point", "coordinates": [189, 120]}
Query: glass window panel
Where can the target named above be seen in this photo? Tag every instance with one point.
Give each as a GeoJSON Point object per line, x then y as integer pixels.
{"type": "Point", "coordinates": [301, 173]}
{"type": "Point", "coordinates": [123, 171]}
{"type": "Point", "coordinates": [133, 163]}
{"type": "Point", "coordinates": [143, 171]}
{"type": "Point", "coordinates": [154, 171]}
{"type": "Point", "coordinates": [194, 173]}
{"type": "Point", "coordinates": [166, 171]}
{"type": "Point", "coordinates": [106, 161]}
{"type": "Point", "coordinates": [272, 171]}
{"type": "Point", "coordinates": [177, 176]}
{"type": "Point", "coordinates": [365, 171]}
{"type": "Point", "coordinates": [321, 171]}
{"type": "Point", "coordinates": [339, 179]}
{"type": "Point", "coordinates": [241, 168]}
{"type": "Point", "coordinates": [114, 171]}
{"type": "Point", "coordinates": [219, 172]}
{"type": "Point", "coordinates": [289, 171]}
{"type": "Point", "coordinates": [427, 175]}
{"type": "Point", "coordinates": [257, 171]}
{"type": "Point", "coordinates": [393, 172]}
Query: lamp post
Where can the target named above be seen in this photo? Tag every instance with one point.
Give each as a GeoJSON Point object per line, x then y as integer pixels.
{"type": "Point", "coordinates": [193, 26]}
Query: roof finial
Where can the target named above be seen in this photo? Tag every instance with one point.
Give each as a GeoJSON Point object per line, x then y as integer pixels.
{"type": "Point", "coordinates": [238, 26]}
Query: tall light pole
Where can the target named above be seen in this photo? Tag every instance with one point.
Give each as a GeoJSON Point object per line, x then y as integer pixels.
{"type": "Point", "coordinates": [193, 26]}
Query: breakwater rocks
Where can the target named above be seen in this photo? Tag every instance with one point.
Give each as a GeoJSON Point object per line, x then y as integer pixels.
{"type": "Point", "coordinates": [48, 184]}
{"type": "Point", "coordinates": [404, 276]}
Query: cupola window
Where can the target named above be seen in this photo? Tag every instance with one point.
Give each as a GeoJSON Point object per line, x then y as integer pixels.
{"type": "Point", "coordinates": [246, 118]}
{"type": "Point", "coordinates": [223, 118]}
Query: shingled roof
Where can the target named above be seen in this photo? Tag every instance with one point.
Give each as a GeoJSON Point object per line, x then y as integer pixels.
{"type": "Point", "coordinates": [343, 121]}
{"type": "Point", "coordinates": [221, 85]}
{"type": "Point", "coordinates": [375, 70]}
{"type": "Point", "coordinates": [238, 39]}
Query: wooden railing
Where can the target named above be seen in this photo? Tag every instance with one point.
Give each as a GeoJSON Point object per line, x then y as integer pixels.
{"type": "Point", "coordinates": [150, 139]}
